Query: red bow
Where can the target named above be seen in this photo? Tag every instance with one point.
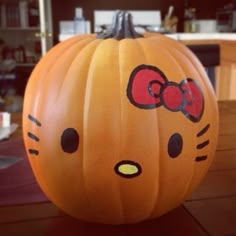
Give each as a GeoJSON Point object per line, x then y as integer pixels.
{"type": "Point", "coordinates": [149, 88]}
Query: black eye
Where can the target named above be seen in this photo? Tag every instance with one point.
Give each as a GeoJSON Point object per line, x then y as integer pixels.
{"type": "Point", "coordinates": [69, 140]}
{"type": "Point", "coordinates": [175, 145]}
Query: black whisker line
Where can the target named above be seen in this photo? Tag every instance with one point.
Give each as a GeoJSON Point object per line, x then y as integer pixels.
{"type": "Point", "coordinates": [34, 120]}
{"type": "Point", "coordinates": [203, 131]}
{"type": "Point", "coordinates": [32, 136]}
{"type": "Point", "coordinates": [201, 158]}
{"type": "Point", "coordinates": [33, 151]}
{"type": "Point", "coordinates": [202, 145]}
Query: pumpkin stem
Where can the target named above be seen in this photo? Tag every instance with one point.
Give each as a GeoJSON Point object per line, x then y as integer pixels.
{"type": "Point", "coordinates": [122, 27]}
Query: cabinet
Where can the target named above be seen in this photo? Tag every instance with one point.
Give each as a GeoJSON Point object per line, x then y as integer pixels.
{"type": "Point", "coordinates": [226, 73]}
{"type": "Point", "coordinates": [25, 35]}
{"type": "Point", "coordinates": [27, 24]}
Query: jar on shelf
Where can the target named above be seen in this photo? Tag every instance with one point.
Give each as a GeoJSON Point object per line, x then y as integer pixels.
{"type": "Point", "coordinates": [190, 22]}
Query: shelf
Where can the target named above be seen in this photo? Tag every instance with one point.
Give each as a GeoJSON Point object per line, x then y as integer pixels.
{"type": "Point", "coordinates": [25, 64]}
{"type": "Point", "coordinates": [19, 28]}
{"type": "Point", "coordinates": [9, 76]}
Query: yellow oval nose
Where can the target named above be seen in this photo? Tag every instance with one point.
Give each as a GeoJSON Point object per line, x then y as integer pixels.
{"type": "Point", "coordinates": [128, 169]}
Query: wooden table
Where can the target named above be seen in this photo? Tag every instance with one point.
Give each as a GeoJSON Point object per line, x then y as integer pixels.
{"type": "Point", "coordinates": [211, 210]}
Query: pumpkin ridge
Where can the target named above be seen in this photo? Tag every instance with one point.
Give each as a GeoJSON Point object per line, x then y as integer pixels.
{"type": "Point", "coordinates": [97, 42]}
{"type": "Point", "coordinates": [208, 97]}
{"type": "Point", "coordinates": [189, 182]}
{"type": "Point", "coordinates": [169, 48]}
{"type": "Point", "coordinates": [120, 135]}
{"type": "Point", "coordinates": [38, 77]}
{"type": "Point", "coordinates": [77, 54]}
{"type": "Point", "coordinates": [141, 43]}
{"type": "Point", "coordinates": [182, 55]}
{"type": "Point", "coordinates": [161, 160]}
{"type": "Point", "coordinates": [48, 62]}
{"type": "Point", "coordinates": [157, 195]}
{"type": "Point", "coordinates": [46, 81]}
{"type": "Point", "coordinates": [89, 46]}
{"type": "Point", "coordinates": [70, 51]}
{"type": "Point", "coordinates": [188, 54]}
{"type": "Point", "coordinates": [172, 60]}
{"type": "Point", "coordinates": [185, 52]}
{"type": "Point", "coordinates": [89, 85]}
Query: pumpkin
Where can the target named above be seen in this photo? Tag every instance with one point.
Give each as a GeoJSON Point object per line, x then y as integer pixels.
{"type": "Point", "coordinates": [119, 127]}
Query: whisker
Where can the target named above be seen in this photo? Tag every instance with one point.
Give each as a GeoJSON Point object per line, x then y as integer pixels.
{"type": "Point", "coordinates": [202, 145]}
{"type": "Point", "coordinates": [33, 151]}
{"type": "Point", "coordinates": [32, 136]}
{"type": "Point", "coordinates": [34, 120]}
{"type": "Point", "coordinates": [201, 158]}
{"type": "Point", "coordinates": [203, 131]}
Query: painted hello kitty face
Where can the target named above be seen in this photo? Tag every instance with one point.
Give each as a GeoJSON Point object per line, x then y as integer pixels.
{"type": "Point", "coordinates": [147, 88]}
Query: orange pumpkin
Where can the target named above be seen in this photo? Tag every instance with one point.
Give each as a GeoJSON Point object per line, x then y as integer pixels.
{"type": "Point", "coordinates": [119, 127]}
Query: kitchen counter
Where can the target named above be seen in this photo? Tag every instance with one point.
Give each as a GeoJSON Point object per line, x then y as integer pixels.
{"type": "Point", "coordinates": [203, 36]}
{"type": "Point", "coordinates": [184, 36]}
